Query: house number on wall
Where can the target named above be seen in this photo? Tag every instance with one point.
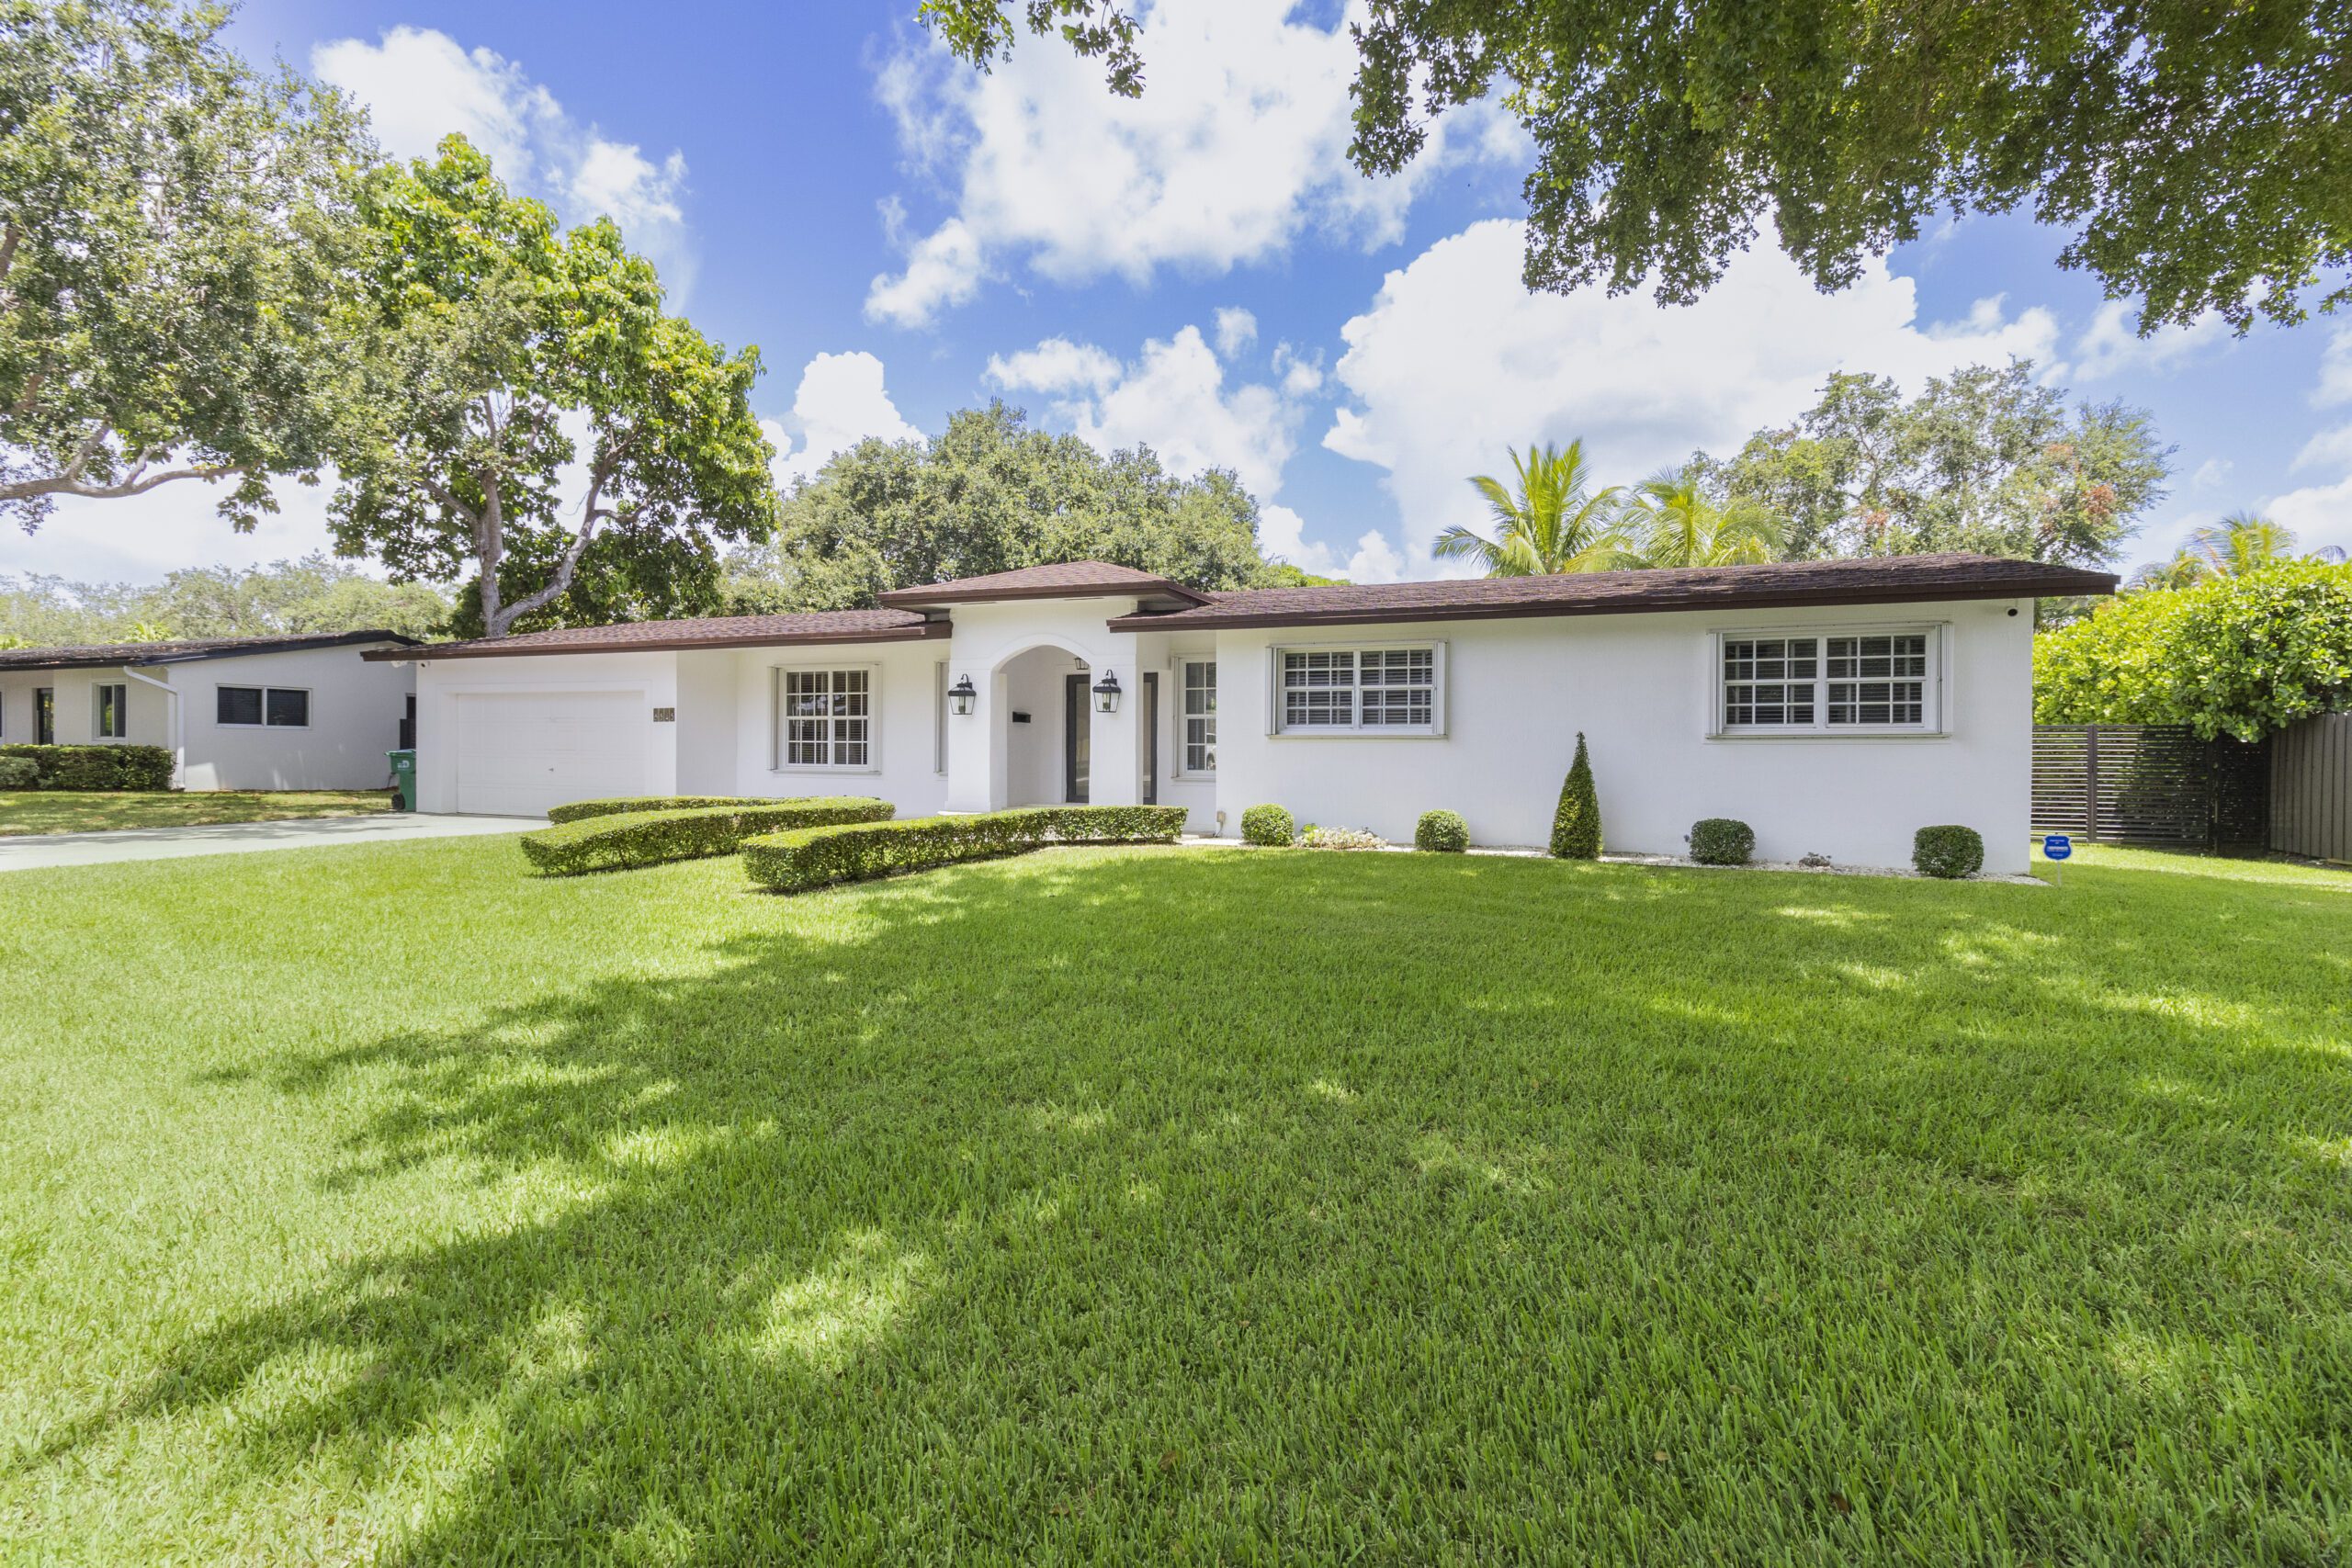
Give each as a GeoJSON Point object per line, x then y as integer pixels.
{"type": "Point", "coordinates": [665, 715]}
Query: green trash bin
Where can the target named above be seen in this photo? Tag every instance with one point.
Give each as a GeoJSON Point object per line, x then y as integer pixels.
{"type": "Point", "coordinates": [403, 778]}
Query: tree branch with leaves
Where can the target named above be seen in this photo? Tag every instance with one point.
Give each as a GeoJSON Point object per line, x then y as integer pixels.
{"type": "Point", "coordinates": [536, 418]}
{"type": "Point", "coordinates": [170, 227]}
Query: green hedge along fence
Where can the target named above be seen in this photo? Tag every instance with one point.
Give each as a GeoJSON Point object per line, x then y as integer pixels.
{"type": "Point", "coordinates": [579, 810]}
{"type": "Point", "coordinates": [816, 857]}
{"type": "Point", "coordinates": [629, 838]}
{"type": "Point", "coordinates": [98, 767]}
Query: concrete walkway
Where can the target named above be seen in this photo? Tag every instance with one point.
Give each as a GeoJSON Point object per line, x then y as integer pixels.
{"type": "Point", "coordinates": [240, 838]}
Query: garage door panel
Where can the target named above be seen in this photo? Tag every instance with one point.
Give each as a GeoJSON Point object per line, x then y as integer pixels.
{"type": "Point", "coordinates": [520, 753]}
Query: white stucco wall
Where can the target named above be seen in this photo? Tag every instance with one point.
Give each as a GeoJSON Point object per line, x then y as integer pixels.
{"type": "Point", "coordinates": [1642, 690]}
{"type": "Point", "coordinates": [903, 767]}
{"type": "Point", "coordinates": [989, 639]}
{"type": "Point", "coordinates": [651, 678]}
{"type": "Point", "coordinates": [356, 708]}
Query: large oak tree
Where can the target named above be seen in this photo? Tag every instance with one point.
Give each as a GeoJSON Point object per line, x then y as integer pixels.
{"type": "Point", "coordinates": [170, 228]}
{"type": "Point", "coordinates": [2200, 152]}
{"type": "Point", "coordinates": [535, 416]}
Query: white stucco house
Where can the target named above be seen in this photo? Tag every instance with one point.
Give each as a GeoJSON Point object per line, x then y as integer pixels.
{"type": "Point", "coordinates": [296, 712]}
{"type": "Point", "coordinates": [1836, 707]}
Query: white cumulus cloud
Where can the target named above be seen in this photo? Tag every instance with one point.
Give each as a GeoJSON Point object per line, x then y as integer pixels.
{"type": "Point", "coordinates": [1172, 398]}
{"type": "Point", "coordinates": [1237, 146]}
{"type": "Point", "coordinates": [1455, 361]}
{"type": "Point", "coordinates": [1236, 329]}
{"type": "Point", "coordinates": [418, 84]}
{"type": "Point", "coordinates": [2111, 346]}
{"type": "Point", "coordinates": [841, 401]}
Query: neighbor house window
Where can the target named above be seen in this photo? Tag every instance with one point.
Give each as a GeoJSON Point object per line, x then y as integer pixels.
{"type": "Point", "coordinates": [826, 717]}
{"type": "Point", "coordinates": [1828, 682]}
{"type": "Point", "coordinates": [1374, 690]}
{"type": "Point", "coordinates": [113, 710]}
{"type": "Point", "coordinates": [1199, 715]}
{"type": "Point", "coordinates": [279, 707]}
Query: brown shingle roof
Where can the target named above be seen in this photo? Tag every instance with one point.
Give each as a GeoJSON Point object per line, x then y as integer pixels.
{"type": "Point", "coordinates": [712, 631]}
{"type": "Point", "coordinates": [178, 650]}
{"type": "Point", "coordinates": [1063, 580]}
{"type": "Point", "coordinates": [1877, 580]}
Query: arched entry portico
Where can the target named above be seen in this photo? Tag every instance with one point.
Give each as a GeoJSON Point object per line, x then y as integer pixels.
{"type": "Point", "coordinates": [1036, 736]}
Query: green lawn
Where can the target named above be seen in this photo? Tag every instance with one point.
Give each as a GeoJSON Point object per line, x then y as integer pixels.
{"type": "Point", "coordinates": [96, 811]}
{"type": "Point", "coordinates": [388, 1203]}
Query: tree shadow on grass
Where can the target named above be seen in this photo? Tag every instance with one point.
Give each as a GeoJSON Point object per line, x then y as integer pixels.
{"type": "Point", "coordinates": [1370, 1206]}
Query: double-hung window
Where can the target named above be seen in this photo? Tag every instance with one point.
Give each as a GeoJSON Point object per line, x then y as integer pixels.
{"type": "Point", "coordinates": [113, 703]}
{"type": "Point", "coordinates": [1199, 715]}
{"type": "Point", "coordinates": [279, 707]}
{"type": "Point", "coordinates": [825, 718]}
{"type": "Point", "coordinates": [1363, 690]}
{"type": "Point", "coordinates": [1828, 682]}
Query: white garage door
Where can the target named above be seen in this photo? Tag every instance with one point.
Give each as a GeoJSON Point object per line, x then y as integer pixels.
{"type": "Point", "coordinates": [520, 753]}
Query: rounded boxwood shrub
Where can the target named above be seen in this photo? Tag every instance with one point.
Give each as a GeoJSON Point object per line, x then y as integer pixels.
{"type": "Point", "coordinates": [1722, 841]}
{"type": "Point", "coordinates": [1948, 851]}
{"type": "Point", "coordinates": [1267, 824]}
{"type": "Point", "coordinates": [1441, 833]}
{"type": "Point", "coordinates": [19, 772]}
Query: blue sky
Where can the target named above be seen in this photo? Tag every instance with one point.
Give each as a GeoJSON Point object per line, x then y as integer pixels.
{"type": "Point", "coordinates": [1201, 271]}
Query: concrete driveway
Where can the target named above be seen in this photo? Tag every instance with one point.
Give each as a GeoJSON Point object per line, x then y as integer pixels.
{"type": "Point", "coordinates": [241, 838]}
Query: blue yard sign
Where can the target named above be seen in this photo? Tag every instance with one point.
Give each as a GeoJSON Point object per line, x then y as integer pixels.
{"type": "Point", "coordinates": [2056, 846]}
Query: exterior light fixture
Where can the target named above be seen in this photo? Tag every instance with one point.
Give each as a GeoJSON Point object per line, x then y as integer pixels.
{"type": "Point", "coordinates": [1106, 692]}
{"type": "Point", "coordinates": [962, 694]}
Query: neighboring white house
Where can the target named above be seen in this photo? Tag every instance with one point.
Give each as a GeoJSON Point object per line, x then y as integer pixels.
{"type": "Point", "coordinates": [1837, 707]}
{"type": "Point", "coordinates": [304, 712]}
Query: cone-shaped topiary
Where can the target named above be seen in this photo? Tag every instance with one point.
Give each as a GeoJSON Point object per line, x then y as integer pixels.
{"type": "Point", "coordinates": [1575, 826]}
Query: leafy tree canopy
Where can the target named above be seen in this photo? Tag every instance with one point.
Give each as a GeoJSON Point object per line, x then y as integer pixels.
{"type": "Point", "coordinates": [534, 416]}
{"type": "Point", "coordinates": [2199, 153]}
{"type": "Point", "coordinates": [315, 593]}
{"type": "Point", "coordinates": [170, 226]}
{"type": "Point", "coordinates": [987, 494]}
{"type": "Point", "coordinates": [2234, 655]}
{"type": "Point", "coordinates": [1985, 459]}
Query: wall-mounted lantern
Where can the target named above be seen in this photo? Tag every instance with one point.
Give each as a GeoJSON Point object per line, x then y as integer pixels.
{"type": "Point", "coordinates": [962, 696]}
{"type": "Point", "coordinates": [1106, 692]}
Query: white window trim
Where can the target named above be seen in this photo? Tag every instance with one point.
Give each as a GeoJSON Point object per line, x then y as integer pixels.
{"type": "Point", "coordinates": [938, 718]}
{"type": "Point", "coordinates": [219, 722]}
{"type": "Point", "coordinates": [1174, 711]}
{"type": "Point", "coordinates": [97, 709]}
{"type": "Point", "coordinates": [873, 764]}
{"type": "Point", "coordinates": [1936, 722]}
{"type": "Point", "coordinates": [1433, 730]}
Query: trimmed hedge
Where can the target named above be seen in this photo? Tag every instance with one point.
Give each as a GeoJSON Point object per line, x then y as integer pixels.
{"type": "Point", "coordinates": [19, 772]}
{"type": "Point", "coordinates": [1722, 841]}
{"type": "Point", "coordinates": [1270, 826]}
{"type": "Point", "coordinates": [629, 838]}
{"type": "Point", "coordinates": [579, 810]}
{"type": "Point", "coordinates": [1948, 851]}
{"type": "Point", "coordinates": [1441, 833]}
{"type": "Point", "coordinates": [817, 857]}
{"type": "Point", "coordinates": [98, 767]}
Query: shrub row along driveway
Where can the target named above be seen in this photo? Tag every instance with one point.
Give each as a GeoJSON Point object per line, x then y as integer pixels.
{"type": "Point", "coordinates": [1130, 1202]}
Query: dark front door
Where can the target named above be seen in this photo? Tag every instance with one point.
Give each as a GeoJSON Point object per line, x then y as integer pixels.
{"type": "Point", "coordinates": [1075, 750]}
{"type": "Point", "coordinates": [408, 725]}
{"type": "Point", "coordinates": [1151, 738]}
{"type": "Point", "coordinates": [45, 717]}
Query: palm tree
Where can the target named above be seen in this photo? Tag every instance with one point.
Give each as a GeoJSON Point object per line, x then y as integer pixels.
{"type": "Point", "coordinates": [1675, 523]}
{"type": "Point", "coordinates": [2238, 544]}
{"type": "Point", "coordinates": [1551, 523]}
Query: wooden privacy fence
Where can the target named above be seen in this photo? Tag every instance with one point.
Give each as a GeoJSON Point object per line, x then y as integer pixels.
{"type": "Point", "coordinates": [2311, 788]}
{"type": "Point", "coordinates": [2147, 783]}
